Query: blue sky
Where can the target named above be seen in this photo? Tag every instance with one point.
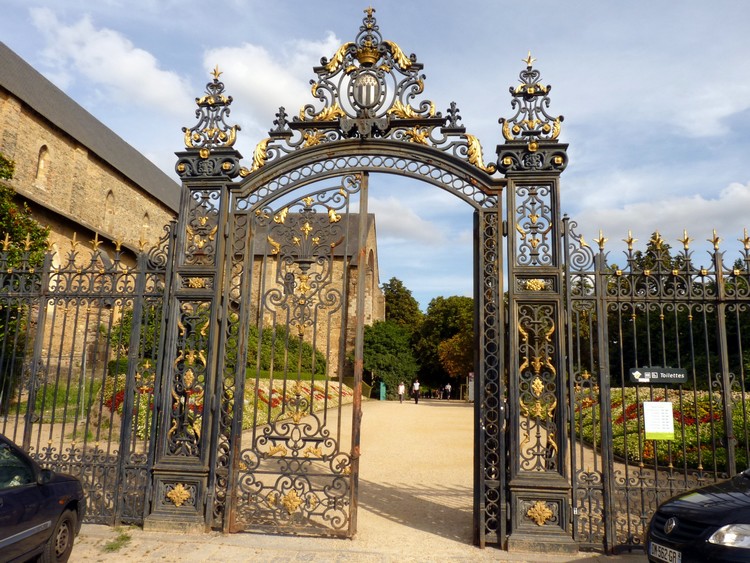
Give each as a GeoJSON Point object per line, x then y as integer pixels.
{"type": "Point", "coordinates": [656, 99]}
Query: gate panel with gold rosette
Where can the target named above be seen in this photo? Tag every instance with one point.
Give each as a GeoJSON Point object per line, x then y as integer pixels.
{"type": "Point", "coordinates": [294, 471]}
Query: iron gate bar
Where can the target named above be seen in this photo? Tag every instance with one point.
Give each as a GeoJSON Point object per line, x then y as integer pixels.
{"type": "Point", "coordinates": [359, 352]}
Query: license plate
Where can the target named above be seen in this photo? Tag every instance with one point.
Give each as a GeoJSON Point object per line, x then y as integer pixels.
{"type": "Point", "coordinates": [664, 553]}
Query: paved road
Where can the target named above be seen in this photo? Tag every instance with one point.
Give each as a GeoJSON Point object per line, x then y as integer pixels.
{"type": "Point", "coordinates": [415, 504]}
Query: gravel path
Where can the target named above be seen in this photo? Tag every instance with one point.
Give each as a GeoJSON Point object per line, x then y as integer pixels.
{"type": "Point", "coordinates": [415, 503]}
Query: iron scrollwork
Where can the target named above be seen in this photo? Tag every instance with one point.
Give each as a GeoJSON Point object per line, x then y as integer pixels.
{"type": "Point", "coordinates": [202, 228]}
{"type": "Point", "coordinates": [295, 473]}
{"type": "Point", "coordinates": [531, 133]}
{"type": "Point", "coordinates": [210, 141]}
{"type": "Point", "coordinates": [534, 221]}
{"type": "Point", "coordinates": [184, 437]}
{"type": "Point", "coordinates": [369, 89]}
{"type": "Point", "coordinates": [539, 449]}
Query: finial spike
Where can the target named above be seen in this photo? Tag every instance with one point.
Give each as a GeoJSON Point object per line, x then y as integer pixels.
{"type": "Point", "coordinates": [630, 240]}
{"type": "Point", "coordinates": [715, 240]}
{"type": "Point", "coordinates": [601, 241]}
{"type": "Point", "coordinates": [746, 240]}
{"type": "Point", "coordinates": [685, 240]}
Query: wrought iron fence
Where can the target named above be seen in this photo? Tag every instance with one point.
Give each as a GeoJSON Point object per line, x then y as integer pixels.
{"type": "Point", "coordinates": [658, 309]}
{"type": "Point", "coordinates": [80, 337]}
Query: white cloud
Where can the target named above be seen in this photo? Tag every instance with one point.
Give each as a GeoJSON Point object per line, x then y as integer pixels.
{"type": "Point", "coordinates": [261, 81]}
{"type": "Point", "coordinates": [395, 221]}
{"type": "Point", "coordinates": [111, 62]}
{"type": "Point", "coordinates": [727, 213]}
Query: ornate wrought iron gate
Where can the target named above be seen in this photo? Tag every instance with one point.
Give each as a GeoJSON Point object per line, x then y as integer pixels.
{"type": "Point", "coordinates": [257, 258]}
{"type": "Point", "coordinates": [154, 383]}
{"type": "Point", "coordinates": [79, 351]}
{"type": "Point", "coordinates": [294, 463]}
{"type": "Point", "coordinates": [658, 309]}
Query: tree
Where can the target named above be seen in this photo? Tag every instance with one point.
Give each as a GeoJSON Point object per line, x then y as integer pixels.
{"type": "Point", "coordinates": [445, 318]}
{"type": "Point", "coordinates": [17, 223]}
{"type": "Point", "coordinates": [388, 354]}
{"type": "Point", "coordinates": [457, 354]}
{"type": "Point", "coordinates": [24, 244]}
{"type": "Point", "coordinates": [400, 306]}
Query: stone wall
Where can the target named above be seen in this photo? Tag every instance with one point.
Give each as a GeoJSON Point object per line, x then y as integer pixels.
{"type": "Point", "coordinates": [69, 188]}
{"type": "Point", "coordinates": [331, 317]}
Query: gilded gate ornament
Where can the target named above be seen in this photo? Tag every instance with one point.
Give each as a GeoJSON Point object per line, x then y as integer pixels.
{"type": "Point", "coordinates": [212, 129]}
{"type": "Point", "coordinates": [539, 513]}
{"type": "Point", "coordinates": [369, 88]}
{"type": "Point", "coordinates": [178, 494]}
{"type": "Point", "coordinates": [531, 134]}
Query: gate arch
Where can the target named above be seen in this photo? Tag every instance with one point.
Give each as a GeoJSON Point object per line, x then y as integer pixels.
{"type": "Point", "coordinates": [371, 121]}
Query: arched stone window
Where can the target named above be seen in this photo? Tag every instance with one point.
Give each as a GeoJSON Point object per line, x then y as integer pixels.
{"type": "Point", "coordinates": [109, 213]}
{"type": "Point", "coordinates": [145, 228]}
{"type": "Point", "coordinates": [42, 167]}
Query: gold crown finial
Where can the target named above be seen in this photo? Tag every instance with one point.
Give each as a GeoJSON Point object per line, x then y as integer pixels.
{"type": "Point", "coordinates": [368, 54]}
{"type": "Point", "coordinates": [529, 60]}
{"type": "Point", "coordinates": [216, 73]}
{"type": "Point", "coordinates": [369, 11]}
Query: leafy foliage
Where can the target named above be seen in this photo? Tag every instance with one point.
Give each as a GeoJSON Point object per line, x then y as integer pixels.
{"type": "Point", "coordinates": [446, 318]}
{"type": "Point", "coordinates": [7, 168]}
{"type": "Point", "coordinates": [276, 347]}
{"type": "Point", "coordinates": [149, 332]}
{"type": "Point", "coordinates": [17, 223]}
{"type": "Point", "coordinates": [699, 430]}
{"type": "Point", "coordinates": [400, 306]}
{"type": "Point", "coordinates": [26, 244]}
{"type": "Point", "coordinates": [280, 349]}
{"type": "Point", "coordinates": [457, 354]}
{"type": "Point", "coordinates": [388, 354]}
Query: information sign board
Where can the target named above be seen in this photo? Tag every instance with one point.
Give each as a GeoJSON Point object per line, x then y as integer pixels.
{"type": "Point", "coordinates": [658, 375]}
{"type": "Point", "coordinates": [658, 420]}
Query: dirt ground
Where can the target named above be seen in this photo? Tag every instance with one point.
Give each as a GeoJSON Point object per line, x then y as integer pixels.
{"type": "Point", "coordinates": [415, 503]}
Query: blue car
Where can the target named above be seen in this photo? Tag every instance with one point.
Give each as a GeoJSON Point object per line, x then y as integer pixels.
{"type": "Point", "coordinates": [40, 511]}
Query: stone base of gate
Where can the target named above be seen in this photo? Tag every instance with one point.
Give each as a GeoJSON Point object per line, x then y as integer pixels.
{"type": "Point", "coordinates": [177, 503]}
{"type": "Point", "coordinates": [540, 515]}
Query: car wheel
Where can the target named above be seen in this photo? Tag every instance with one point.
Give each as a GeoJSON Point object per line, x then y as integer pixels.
{"type": "Point", "coordinates": [60, 545]}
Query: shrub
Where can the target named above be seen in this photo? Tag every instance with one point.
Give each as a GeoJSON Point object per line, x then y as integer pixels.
{"type": "Point", "coordinates": [699, 429]}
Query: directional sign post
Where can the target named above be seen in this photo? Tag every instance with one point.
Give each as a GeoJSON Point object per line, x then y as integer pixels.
{"type": "Point", "coordinates": [658, 375]}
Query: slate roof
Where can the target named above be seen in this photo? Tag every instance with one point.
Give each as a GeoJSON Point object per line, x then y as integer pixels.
{"type": "Point", "coordinates": [34, 90]}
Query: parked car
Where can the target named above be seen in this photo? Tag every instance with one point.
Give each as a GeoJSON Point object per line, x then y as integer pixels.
{"type": "Point", "coordinates": [711, 523]}
{"type": "Point", "coordinates": [40, 511]}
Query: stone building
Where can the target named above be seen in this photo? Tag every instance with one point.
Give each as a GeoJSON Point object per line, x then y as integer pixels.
{"type": "Point", "coordinates": [84, 181]}
{"type": "Point", "coordinates": [295, 286]}
{"type": "Point", "coordinates": [75, 173]}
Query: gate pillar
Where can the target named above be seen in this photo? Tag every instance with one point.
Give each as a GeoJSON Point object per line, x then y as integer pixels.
{"type": "Point", "coordinates": [532, 159]}
{"type": "Point", "coordinates": [185, 402]}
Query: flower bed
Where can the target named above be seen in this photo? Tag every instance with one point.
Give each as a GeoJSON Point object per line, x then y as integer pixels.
{"type": "Point", "coordinates": [279, 399]}
{"type": "Point", "coordinates": [698, 422]}
{"type": "Point", "coordinates": [113, 393]}
{"type": "Point", "coordinates": [273, 401]}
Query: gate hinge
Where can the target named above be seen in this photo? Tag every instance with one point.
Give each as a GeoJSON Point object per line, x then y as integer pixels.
{"type": "Point", "coordinates": [505, 228]}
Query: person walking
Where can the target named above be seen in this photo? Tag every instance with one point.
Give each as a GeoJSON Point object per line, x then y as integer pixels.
{"type": "Point", "coordinates": [401, 390]}
{"type": "Point", "coordinates": [448, 391]}
{"type": "Point", "coordinates": [415, 391]}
